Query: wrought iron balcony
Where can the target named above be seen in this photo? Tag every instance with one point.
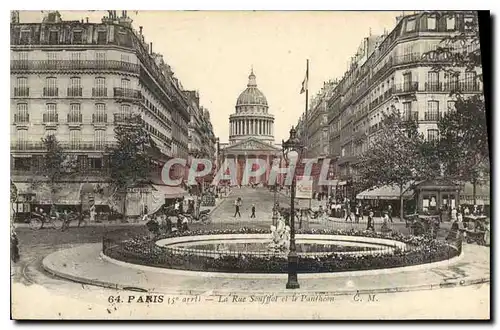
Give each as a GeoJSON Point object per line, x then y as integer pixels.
{"type": "Point", "coordinates": [65, 65]}
{"type": "Point", "coordinates": [21, 118]}
{"type": "Point", "coordinates": [432, 116]}
{"type": "Point", "coordinates": [74, 91]}
{"type": "Point", "coordinates": [50, 118]}
{"type": "Point", "coordinates": [99, 118]}
{"type": "Point", "coordinates": [99, 92]}
{"type": "Point", "coordinates": [21, 91]}
{"type": "Point", "coordinates": [407, 87]}
{"type": "Point", "coordinates": [50, 91]}
{"type": "Point", "coordinates": [413, 115]}
{"type": "Point", "coordinates": [433, 87]}
{"type": "Point", "coordinates": [74, 118]}
{"type": "Point", "coordinates": [127, 93]}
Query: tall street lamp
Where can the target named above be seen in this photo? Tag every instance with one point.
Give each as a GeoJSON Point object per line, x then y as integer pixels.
{"type": "Point", "coordinates": [292, 149]}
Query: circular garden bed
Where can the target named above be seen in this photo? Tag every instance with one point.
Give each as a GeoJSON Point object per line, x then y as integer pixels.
{"type": "Point", "coordinates": [143, 250]}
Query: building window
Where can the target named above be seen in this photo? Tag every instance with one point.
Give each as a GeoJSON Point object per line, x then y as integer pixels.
{"type": "Point", "coordinates": [100, 139]}
{"type": "Point", "coordinates": [410, 25]}
{"type": "Point", "coordinates": [433, 81]}
{"type": "Point", "coordinates": [50, 87]}
{"type": "Point", "coordinates": [75, 137]}
{"type": "Point", "coordinates": [432, 134]}
{"type": "Point", "coordinates": [77, 37]}
{"type": "Point", "coordinates": [125, 84]}
{"type": "Point", "coordinates": [125, 110]}
{"type": "Point", "coordinates": [450, 23]}
{"type": "Point", "coordinates": [51, 113]}
{"type": "Point", "coordinates": [22, 137]}
{"type": "Point", "coordinates": [75, 87]}
{"type": "Point", "coordinates": [468, 23]}
{"type": "Point", "coordinates": [25, 37]}
{"type": "Point", "coordinates": [125, 58]}
{"type": "Point", "coordinates": [470, 80]}
{"type": "Point", "coordinates": [101, 37]}
{"type": "Point", "coordinates": [406, 110]}
{"type": "Point", "coordinates": [22, 82]}
{"type": "Point", "coordinates": [22, 56]}
{"type": "Point", "coordinates": [22, 163]}
{"type": "Point", "coordinates": [76, 56]}
{"type": "Point", "coordinates": [431, 22]}
{"type": "Point", "coordinates": [54, 37]}
{"type": "Point", "coordinates": [52, 57]}
{"type": "Point", "coordinates": [95, 163]}
{"type": "Point", "coordinates": [21, 88]}
{"type": "Point", "coordinates": [100, 87]}
{"type": "Point", "coordinates": [22, 115]}
{"type": "Point", "coordinates": [432, 111]}
{"type": "Point", "coordinates": [100, 113]}
{"type": "Point", "coordinates": [74, 115]}
{"type": "Point", "coordinates": [82, 162]}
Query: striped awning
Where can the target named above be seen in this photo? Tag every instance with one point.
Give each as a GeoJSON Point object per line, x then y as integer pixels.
{"type": "Point", "coordinates": [385, 192]}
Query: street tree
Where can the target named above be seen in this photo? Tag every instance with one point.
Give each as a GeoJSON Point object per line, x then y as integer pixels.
{"type": "Point", "coordinates": [394, 156]}
{"type": "Point", "coordinates": [129, 160]}
{"type": "Point", "coordinates": [463, 143]}
{"type": "Point", "coordinates": [56, 167]}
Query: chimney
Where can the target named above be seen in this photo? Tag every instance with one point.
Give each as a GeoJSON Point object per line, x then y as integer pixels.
{"type": "Point", "coordinates": [87, 19]}
{"type": "Point", "coordinates": [140, 30]}
{"type": "Point", "coordinates": [151, 48]}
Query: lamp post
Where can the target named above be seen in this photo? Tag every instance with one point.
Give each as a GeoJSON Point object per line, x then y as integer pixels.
{"type": "Point", "coordinates": [292, 148]}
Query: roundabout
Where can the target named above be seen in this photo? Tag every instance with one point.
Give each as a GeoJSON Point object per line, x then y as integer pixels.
{"type": "Point", "coordinates": [91, 264]}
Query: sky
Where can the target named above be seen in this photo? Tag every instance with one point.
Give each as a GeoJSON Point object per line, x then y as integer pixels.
{"type": "Point", "coordinates": [213, 52]}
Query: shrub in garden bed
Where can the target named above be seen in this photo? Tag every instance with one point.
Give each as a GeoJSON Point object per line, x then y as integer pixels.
{"type": "Point", "coordinates": [141, 250]}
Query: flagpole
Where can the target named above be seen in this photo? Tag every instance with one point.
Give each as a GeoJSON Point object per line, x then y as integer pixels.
{"type": "Point", "coordinates": [307, 117]}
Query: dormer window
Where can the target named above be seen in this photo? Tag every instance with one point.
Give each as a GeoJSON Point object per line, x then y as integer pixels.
{"type": "Point", "coordinates": [77, 37]}
{"type": "Point", "coordinates": [410, 25]}
{"type": "Point", "coordinates": [431, 22]}
{"type": "Point", "coordinates": [450, 23]}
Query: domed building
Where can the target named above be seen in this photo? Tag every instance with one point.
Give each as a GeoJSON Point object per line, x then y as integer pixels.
{"type": "Point", "coordinates": [251, 130]}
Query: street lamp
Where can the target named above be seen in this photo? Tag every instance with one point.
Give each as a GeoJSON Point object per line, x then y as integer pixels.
{"type": "Point", "coordinates": [292, 149]}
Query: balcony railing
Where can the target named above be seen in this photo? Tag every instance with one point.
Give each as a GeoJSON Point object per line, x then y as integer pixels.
{"type": "Point", "coordinates": [74, 145]}
{"type": "Point", "coordinates": [99, 118]}
{"type": "Point", "coordinates": [433, 87]}
{"type": "Point", "coordinates": [127, 93]}
{"type": "Point", "coordinates": [21, 91]}
{"type": "Point", "coordinates": [50, 91]}
{"type": "Point", "coordinates": [99, 92]}
{"type": "Point", "coordinates": [62, 65]}
{"type": "Point", "coordinates": [75, 118]}
{"type": "Point", "coordinates": [21, 118]}
{"type": "Point", "coordinates": [432, 116]}
{"type": "Point", "coordinates": [50, 118]}
{"type": "Point", "coordinates": [74, 91]}
{"type": "Point", "coordinates": [413, 115]}
{"type": "Point", "coordinates": [407, 87]}
{"type": "Point", "coordinates": [121, 118]}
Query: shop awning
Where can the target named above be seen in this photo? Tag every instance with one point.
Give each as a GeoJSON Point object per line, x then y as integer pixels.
{"type": "Point", "coordinates": [385, 192]}
{"type": "Point", "coordinates": [171, 191]}
{"type": "Point", "coordinates": [65, 194]}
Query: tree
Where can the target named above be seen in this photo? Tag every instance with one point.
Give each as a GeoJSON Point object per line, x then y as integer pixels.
{"type": "Point", "coordinates": [129, 159]}
{"type": "Point", "coordinates": [394, 156]}
{"type": "Point", "coordinates": [463, 143]}
{"type": "Point", "coordinates": [56, 166]}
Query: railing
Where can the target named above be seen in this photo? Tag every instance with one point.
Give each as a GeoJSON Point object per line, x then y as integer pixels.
{"type": "Point", "coordinates": [122, 118]}
{"type": "Point", "coordinates": [74, 118]}
{"type": "Point", "coordinates": [50, 118]}
{"type": "Point", "coordinates": [408, 87]}
{"type": "Point", "coordinates": [21, 91]}
{"type": "Point", "coordinates": [99, 118]}
{"type": "Point", "coordinates": [432, 116]}
{"type": "Point", "coordinates": [62, 65]}
{"type": "Point", "coordinates": [74, 91]}
{"type": "Point", "coordinates": [74, 146]}
{"type": "Point", "coordinates": [127, 93]}
{"type": "Point", "coordinates": [21, 117]}
{"type": "Point", "coordinates": [433, 87]}
{"type": "Point", "coordinates": [50, 91]}
{"type": "Point", "coordinates": [99, 92]}
{"type": "Point", "coordinates": [413, 115]}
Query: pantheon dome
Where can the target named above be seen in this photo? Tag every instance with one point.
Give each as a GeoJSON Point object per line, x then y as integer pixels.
{"type": "Point", "coordinates": [251, 117]}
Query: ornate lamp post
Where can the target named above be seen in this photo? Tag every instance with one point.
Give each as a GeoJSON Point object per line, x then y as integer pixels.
{"type": "Point", "coordinates": [292, 149]}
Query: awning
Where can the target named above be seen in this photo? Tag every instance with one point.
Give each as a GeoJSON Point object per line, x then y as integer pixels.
{"type": "Point", "coordinates": [171, 191]}
{"type": "Point", "coordinates": [342, 183]}
{"type": "Point", "coordinates": [66, 194]}
{"type": "Point", "coordinates": [385, 192]}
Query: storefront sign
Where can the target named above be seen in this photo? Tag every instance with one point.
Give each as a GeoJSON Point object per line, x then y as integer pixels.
{"type": "Point", "coordinates": [304, 189]}
{"type": "Point", "coordinates": [139, 190]}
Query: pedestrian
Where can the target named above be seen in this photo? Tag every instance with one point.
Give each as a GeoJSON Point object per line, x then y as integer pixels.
{"type": "Point", "coordinates": [370, 225]}
{"type": "Point", "coordinates": [14, 245]}
{"type": "Point", "coordinates": [348, 212]}
{"type": "Point", "coordinates": [453, 215]}
{"type": "Point", "coordinates": [357, 213]}
{"type": "Point", "coordinates": [389, 212]}
{"type": "Point", "coordinates": [253, 211]}
{"type": "Point", "coordinates": [177, 206]}
{"type": "Point", "coordinates": [237, 208]}
{"type": "Point", "coordinates": [385, 222]}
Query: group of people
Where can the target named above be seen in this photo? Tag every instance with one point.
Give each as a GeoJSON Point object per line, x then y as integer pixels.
{"type": "Point", "coordinates": [237, 206]}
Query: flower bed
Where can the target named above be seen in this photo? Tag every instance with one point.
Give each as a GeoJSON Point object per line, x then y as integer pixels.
{"type": "Point", "coordinates": [144, 251]}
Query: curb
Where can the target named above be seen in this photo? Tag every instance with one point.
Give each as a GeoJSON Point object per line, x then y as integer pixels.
{"type": "Point", "coordinates": [222, 201]}
{"type": "Point", "coordinates": [51, 269]}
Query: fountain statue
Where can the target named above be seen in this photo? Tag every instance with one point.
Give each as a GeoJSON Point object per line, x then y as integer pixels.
{"type": "Point", "coordinates": [280, 236]}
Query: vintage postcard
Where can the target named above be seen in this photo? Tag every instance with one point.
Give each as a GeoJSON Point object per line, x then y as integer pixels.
{"type": "Point", "coordinates": [312, 165]}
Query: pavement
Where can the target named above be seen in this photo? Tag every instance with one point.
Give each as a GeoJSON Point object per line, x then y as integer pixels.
{"type": "Point", "coordinates": [84, 264]}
